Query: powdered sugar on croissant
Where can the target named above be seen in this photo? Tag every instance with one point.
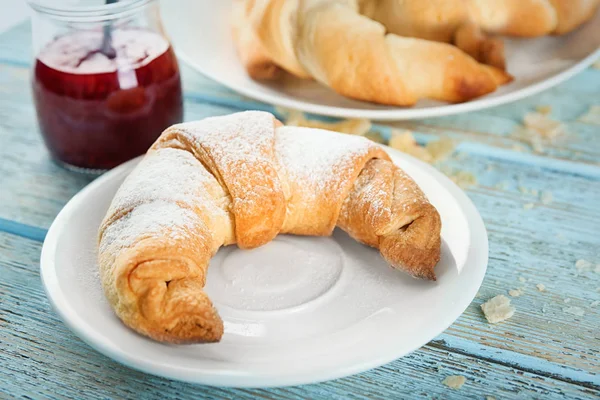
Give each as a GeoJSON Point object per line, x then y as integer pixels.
{"type": "Point", "coordinates": [243, 179]}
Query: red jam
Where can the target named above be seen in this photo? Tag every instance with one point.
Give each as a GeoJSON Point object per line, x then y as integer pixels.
{"type": "Point", "coordinates": [96, 112]}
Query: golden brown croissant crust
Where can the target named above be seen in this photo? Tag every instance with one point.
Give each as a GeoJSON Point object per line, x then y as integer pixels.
{"type": "Point", "coordinates": [395, 52]}
{"type": "Point", "coordinates": [243, 179]}
{"type": "Point", "coordinates": [333, 43]}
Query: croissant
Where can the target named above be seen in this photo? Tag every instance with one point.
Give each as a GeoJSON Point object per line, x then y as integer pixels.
{"type": "Point", "coordinates": [330, 41]}
{"type": "Point", "coordinates": [439, 19]}
{"type": "Point", "coordinates": [245, 178]}
{"type": "Point", "coordinates": [250, 49]}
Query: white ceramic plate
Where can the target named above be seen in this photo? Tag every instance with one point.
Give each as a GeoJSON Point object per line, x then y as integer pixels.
{"type": "Point", "coordinates": [200, 30]}
{"type": "Point", "coordinates": [297, 310]}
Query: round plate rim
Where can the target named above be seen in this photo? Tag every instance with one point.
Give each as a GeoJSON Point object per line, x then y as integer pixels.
{"type": "Point", "coordinates": [478, 251]}
{"type": "Point", "coordinates": [396, 114]}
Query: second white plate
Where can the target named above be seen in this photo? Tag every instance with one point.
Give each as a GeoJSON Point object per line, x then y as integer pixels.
{"type": "Point", "coordinates": [201, 32]}
{"type": "Point", "coordinates": [297, 310]}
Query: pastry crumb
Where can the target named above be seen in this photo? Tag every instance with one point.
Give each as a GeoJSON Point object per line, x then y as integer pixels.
{"type": "Point", "coordinates": [541, 287]}
{"type": "Point", "coordinates": [595, 303]}
{"type": "Point", "coordinates": [405, 142]}
{"type": "Point", "coordinates": [515, 292]}
{"type": "Point", "coordinates": [546, 197]}
{"type": "Point", "coordinates": [578, 311]}
{"type": "Point", "coordinates": [567, 300]}
{"type": "Point", "coordinates": [454, 381]}
{"type": "Point", "coordinates": [402, 140]}
{"type": "Point", "coordinates": [375, 137]}
{"type": "Point", "coordinates": [544, 109]}
{"type": "Point", "coordinates": [433, 152]}
{"type": "Point", "coordinates": [522, 279]}
{"type": "Point", "coordinates": [497, 309]}
{"type": "Point", "coordinates": [528, 206]}
{"type": "Point", "coordinates": [501, 185]}
{"type": "Point", "coordinates": [538, 130]}
{"type": "Point", "coordinates": [464, 179]}
{"type": "Point", "coordinates": [592, 116]}
{"type": "Point", "coordinates": [518, 147]}
{"type": "Point", "coordinates": [359, 126]}
{"type": "Point", "coordinates": [440, 149]}
{"type": "Point", "coordinates": [583, 265]}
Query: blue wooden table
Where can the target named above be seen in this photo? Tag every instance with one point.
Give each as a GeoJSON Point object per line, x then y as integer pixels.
{"type": "Point", "coordinates": [549, 349]}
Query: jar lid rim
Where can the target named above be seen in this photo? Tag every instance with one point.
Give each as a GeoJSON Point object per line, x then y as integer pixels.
{"type": "Point", "coordinates": [104, 11]}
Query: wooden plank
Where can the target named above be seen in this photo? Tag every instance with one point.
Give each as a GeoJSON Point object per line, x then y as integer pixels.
{"type": "Point", "coordinates": [42, 359]}
{"type": "Point", "coordinates": [540, 245]}
{"type": "Point", "coordinates": [36, 190]}
{"type": "Point", "coordinates": [21, 146]}
{"type": "Point", "coordinates": [30, 181]}
{"type": "Point", "coordinates": [494, 126]}
{"type": "Point", "coordinates": [15, 46]}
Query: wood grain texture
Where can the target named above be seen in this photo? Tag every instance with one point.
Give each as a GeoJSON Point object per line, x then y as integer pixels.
{"type": "Point", "coordinates": [41, 358]}
{"type": "Point", "coordinates": [541, 352]}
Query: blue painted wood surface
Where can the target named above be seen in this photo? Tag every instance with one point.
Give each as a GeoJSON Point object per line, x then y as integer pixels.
{"type": "Point", "coordinates": [542, 352]}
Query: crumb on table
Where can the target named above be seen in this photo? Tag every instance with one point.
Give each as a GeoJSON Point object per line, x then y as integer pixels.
{"type": "Point", "coordinates": [454, 381]}
{"type": "Point", "coordinates": [592, 116]}
{"type": "Point", "coordinates": [541, 287]}
{"type": "Point", "coordinates": [515, 292]}
{"type": "Point", "coordinates": [497, 309]}
{"type": "Point", "coordinates": [578, 311]}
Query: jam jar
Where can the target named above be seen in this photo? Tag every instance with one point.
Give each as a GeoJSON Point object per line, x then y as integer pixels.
{"type": "Point", "coordinates": [105, 80]}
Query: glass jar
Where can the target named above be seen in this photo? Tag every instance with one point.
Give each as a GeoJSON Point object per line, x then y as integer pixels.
{"type": "Point", "coordinates": [105, 80]}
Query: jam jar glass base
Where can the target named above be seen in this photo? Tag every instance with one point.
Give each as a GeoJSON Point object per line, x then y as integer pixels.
{"type": "Point", "coordinates": [79, 170]}
{"type": "Point", "coordinates": [105, 80]}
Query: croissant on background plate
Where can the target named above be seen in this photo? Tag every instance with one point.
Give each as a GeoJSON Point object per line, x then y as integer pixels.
{"type": "Point", "coordinates": [395, 52]}
{"type": "Point", "coordinates": [243, 179]}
